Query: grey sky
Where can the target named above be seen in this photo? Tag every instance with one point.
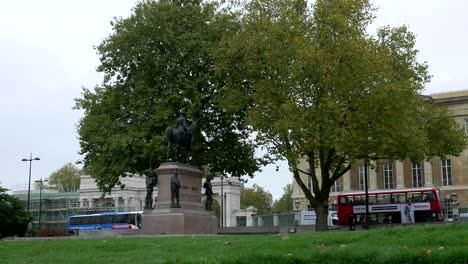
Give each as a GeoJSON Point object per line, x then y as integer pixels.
{"type": "Point", "coordinates": [46, 56]}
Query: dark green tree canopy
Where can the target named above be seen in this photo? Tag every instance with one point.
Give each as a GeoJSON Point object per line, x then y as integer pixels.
{"type": "Point", "coordinates": [14, 219]}
{"type": "Point", "coordinates": [155, 62]}
{"type": "Point", "coordinates": [285, 202]}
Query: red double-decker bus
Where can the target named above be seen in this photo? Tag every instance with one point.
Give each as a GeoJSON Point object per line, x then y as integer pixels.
{"type": "Point", "coordinates": [391, 206]}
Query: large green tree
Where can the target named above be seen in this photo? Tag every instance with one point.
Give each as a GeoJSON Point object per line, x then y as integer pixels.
{"type": "Point", "coordinates": [155, 62]}
{"type": "Point", "coordinates": [65, 179]}
{"type": "Point", "coordinates": [285, 202]}
{"type": "Point", "coordinates": [14, 219]}
{"type": "Point", "coordinates": [256, 197]}
{"type": "Point", "coordinates": [318, 88]}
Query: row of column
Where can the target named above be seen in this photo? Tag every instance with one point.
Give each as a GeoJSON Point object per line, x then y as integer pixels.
{"type": "Point", "coordinates": [89, 203]}
{"type": "Point", "coordinates": [397, 171]}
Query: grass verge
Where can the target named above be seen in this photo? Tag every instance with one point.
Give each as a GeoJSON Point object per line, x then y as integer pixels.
{"type": "Point", "coordinates": [410, 244]}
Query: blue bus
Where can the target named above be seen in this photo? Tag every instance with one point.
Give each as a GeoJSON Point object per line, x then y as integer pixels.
{"type": "Point", "coordinates": [112, 220]}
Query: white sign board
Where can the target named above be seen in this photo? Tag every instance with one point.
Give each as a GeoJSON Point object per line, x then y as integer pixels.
{"type": "Point", "coordinates": [308, 218]}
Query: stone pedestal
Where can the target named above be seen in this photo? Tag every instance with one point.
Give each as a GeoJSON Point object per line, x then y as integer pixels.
{"type": "Point", "coordinates": [191, 218]}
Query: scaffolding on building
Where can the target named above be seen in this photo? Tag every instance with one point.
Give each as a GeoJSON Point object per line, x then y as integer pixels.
{"type": "Point", "coordinates": [53, 209]}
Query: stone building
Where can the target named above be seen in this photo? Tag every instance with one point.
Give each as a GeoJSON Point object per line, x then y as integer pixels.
{"type": "Point", "coordinates": [450, 175]}
{"type": "Point", "coordinates": [130, 198]}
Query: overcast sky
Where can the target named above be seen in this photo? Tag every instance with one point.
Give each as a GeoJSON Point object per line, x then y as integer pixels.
{"type": "Point", "coordinates": [47, 55]}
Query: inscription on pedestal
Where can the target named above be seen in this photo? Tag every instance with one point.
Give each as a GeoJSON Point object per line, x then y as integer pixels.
{"type": "Point", "coordinates": [191, 218]}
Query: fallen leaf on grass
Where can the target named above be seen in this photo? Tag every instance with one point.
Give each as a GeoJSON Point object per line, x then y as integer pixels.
{"type": "Point", "coordinates": [343, 245]}
{"type": "Point", "coordinates": [227, 243]}
{"type": "Point", "coordinates": [403, 248]}
{"type": "Point", "coordinates": [321, 246]}
{"type": "Point", "coordinates": [289, 254]}
{"type": "Point", "coordinates": [441, 248]}
{"type": "Point", "coordinates": [426, 251]}
{"type": "Point", "coordinates": [285, 237]}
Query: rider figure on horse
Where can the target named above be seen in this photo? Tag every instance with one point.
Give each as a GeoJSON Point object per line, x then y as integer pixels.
{"type": "Point", "coordinates": [181, 136]}
{"type": "Point", "coordinates": [181, 122]}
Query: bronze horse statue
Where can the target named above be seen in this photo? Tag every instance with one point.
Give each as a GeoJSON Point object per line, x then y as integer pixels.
{"type": "Point", "coordinates": [179, 137]}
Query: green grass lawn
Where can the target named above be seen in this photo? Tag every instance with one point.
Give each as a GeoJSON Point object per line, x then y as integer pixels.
{"type": "Point", "coordinates": [415, 244]}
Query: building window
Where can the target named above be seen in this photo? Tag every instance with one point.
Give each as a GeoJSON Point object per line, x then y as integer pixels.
{"type": "Point", "coordinates": [466, 126]}
{"type": "Point", "coordinates": [388, 176]}
{"type": "Point", "coordinates": [361, 177]}
{"type": "Point", "coordinates": [336, 187]}
{"type": "Point", "coordinates": [416, 172]}
{"type": "Point", "coordinates": [448, 208]}
{"type": "Point", "coordinates": [241, 221]}
{"type": "Point", "coordinates": [309, 180]}
{"type": "Point", "coordinates": [447, 172]}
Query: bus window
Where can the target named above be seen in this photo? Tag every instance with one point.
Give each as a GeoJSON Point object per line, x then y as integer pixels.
{"type": "Point", "coordinates": [372, 199]}
{"type": "Point", "coordinates": [83, 220]}
{"type": "Point", "coordinates": [106, 219]}
{"type": "Point", "coordinates": [344, 200]}
{"type": "Point", "coordinates": [383, 198]}
{"type": "Point", "coordinates": [348, 200]}
{"type": "Point", "coordinates": [94, 220]}
{"type": "Point", "coordinates": [360, 199]}
{"type": "Point", "coordinates": [398, 198]}
{"type": "Point", "coordinates": [120, 218]}
{"type": "Point", "coordinates": [428, 196]}
{"type": "Point", "coordinates": [424, 216]}
{"type": "Point", "coordinates": [414, 197]}
{"type": "Point", "coordinates": [131, 219]}
{"type": "Point", "coordinates": [74, 221]}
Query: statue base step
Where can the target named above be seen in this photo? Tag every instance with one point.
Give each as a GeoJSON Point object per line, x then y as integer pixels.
{"type": "Point", "coordinates": [178, 221]}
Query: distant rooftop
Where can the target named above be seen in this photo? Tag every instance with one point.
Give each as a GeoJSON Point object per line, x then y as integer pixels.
{"type": "Point", "coordinates": [450, 94]}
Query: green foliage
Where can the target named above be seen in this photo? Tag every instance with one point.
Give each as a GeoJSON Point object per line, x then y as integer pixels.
{"type": "Point", "coordinates": [285, 202]}
{"type": "Point", "coordinates": [317, 87]}
{"type": "Point", "coordinates": [256, 197]}
{"type": "Point", "coordinates": [14, 219]}
{"type": "Point", "coordinates": [155, 62]}
{"type": "Point", "coordinates": [66, 179]}
{"type": "Point", "coordinates": [390, 245]}
{"type": "Point", "coordinates": [444, 134]}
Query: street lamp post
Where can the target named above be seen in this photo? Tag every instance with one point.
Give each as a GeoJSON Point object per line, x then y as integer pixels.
{"type": "Point", "coordinates": [222, 203]}
{"type": "Point", "coordinates": [40, 182]}
{"type": "Point", "coordinates": [366, 187]}
{"type": "Point", "coordinates": [29, 182]}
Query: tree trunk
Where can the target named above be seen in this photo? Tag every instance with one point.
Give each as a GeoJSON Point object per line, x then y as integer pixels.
{"type": "Point", "coordinates": [322, 216]}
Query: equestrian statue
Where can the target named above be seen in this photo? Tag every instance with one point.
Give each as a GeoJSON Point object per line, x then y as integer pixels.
{"type": "Point", "coordinates": [180, 136]}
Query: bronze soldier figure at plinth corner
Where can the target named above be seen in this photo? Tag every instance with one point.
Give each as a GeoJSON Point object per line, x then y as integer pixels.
{"type": "Point", "coordinates": [175, 186]}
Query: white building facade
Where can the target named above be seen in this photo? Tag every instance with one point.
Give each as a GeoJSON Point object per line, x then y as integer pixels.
{"type": "Point", "coordinates": [132, 197]}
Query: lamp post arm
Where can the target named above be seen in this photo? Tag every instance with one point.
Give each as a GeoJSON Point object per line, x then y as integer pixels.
{"type": "Point", "coordinates": [29, 178]}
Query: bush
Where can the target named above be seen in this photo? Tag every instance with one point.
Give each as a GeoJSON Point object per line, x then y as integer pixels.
{"type": "Point", "coordinates": [14, 219]}
{"type": "Point", "coordinates": [53, 232]}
